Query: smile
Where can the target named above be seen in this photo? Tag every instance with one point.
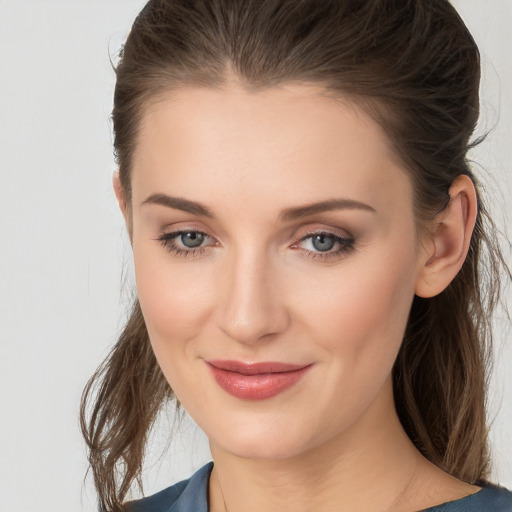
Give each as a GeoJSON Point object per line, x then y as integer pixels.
{"type": "Point", "coordinates": [256, 381]}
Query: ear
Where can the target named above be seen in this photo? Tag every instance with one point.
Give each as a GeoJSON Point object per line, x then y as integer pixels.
{"type": "Point", "coordinates": [447, 245]}
{"type": "Point", "coordinates": [121, 200]}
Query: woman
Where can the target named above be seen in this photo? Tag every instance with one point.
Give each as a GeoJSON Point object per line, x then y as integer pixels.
{"type": "Point", "coordinates": [307, 239]}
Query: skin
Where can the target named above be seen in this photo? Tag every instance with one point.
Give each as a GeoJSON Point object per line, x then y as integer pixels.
{"type": "Point", "coordinates": [257, 289]}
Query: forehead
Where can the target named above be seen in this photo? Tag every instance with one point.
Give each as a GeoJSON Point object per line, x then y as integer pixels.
{"type": "Point", "coordinates": [294, 138]}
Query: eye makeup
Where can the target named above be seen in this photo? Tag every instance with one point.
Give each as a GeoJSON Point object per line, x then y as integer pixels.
{"type": "Point", "coordinates": [317, 244]}
{"type": "Point", "coordinates": [186, 242]}
{"type": "Point", "coordinates": [324, 245]}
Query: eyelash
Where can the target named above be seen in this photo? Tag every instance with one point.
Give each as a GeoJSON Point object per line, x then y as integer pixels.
{"type": "Point", "coordinates": [167, 240]}
{"type": "Point", "coordinates": [346, 245]}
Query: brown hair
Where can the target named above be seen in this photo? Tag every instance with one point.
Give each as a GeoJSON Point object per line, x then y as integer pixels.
{"type": "Point", "coordinates": [411, 64]}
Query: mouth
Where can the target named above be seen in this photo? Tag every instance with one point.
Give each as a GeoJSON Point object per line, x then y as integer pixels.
{"type": "Point", "coordinates": [256, 381]}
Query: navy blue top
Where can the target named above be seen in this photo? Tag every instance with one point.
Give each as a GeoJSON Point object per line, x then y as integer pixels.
{"type": "Point", "coordinates": [192, 496]}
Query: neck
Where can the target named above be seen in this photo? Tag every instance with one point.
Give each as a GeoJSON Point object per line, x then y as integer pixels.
{"type": "Point", "coordinates": [370, 466]}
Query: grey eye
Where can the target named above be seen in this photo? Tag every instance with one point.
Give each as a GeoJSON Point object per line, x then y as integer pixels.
{"type": "Point", "coordinates": [192, 239]}
{"type": "Point", "coordinates": [323, 242]}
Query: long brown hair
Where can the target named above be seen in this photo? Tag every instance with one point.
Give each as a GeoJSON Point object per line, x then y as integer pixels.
{"type": "Point", "coordinates": [414, 67]}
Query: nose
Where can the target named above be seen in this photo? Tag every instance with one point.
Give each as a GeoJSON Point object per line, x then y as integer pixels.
{"type": "Point", "coordinates": [252, 306]}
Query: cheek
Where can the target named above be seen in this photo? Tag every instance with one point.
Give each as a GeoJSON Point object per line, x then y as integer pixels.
{"type": "Point", "coordinates": [175, 302]}
{"type": "Point", "coordinates": [356, 316]}
{"type": "Point", "coordinates": [359, 310]}
{"type": "Point", "coordinates": [176, 305]}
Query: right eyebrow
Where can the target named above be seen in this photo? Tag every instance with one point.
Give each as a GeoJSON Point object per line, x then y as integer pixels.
{"type": "Point", "coordinates": [178, 203]}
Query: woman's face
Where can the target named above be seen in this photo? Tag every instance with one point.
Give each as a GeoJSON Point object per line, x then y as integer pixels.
{"type": "Point", "coordinates": [272, 227]}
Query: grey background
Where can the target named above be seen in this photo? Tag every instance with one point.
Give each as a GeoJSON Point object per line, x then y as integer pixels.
{"type": "Point", "coordinates": [64, 256]}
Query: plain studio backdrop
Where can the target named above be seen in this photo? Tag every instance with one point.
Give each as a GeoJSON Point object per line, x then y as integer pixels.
{"type": "Point", "coordinates": [64, 255]}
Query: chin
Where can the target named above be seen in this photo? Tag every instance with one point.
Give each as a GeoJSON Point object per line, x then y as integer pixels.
{"type": "Point", "coordinates": [269, 441]}
{"type": "Point", "coordinates": [262, 450]}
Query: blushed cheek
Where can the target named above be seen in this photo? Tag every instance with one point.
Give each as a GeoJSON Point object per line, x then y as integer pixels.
{"type": "Point", "coordinates": [362, 312]}
{"type": "Point", "coordinates": [174, 302]}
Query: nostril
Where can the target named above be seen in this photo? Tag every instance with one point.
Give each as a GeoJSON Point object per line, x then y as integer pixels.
{"type": "Point", "coordinates": [250, 323]}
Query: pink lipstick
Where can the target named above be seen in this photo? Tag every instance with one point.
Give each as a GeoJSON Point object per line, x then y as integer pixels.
{"type": "Point", "coordinates": [256, 381]}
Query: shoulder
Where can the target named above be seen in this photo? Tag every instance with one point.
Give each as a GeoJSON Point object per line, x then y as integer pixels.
{"type": "Point", "coordinates": [491, 498]}
{"type": "Point", "coordinates": [187, 495]}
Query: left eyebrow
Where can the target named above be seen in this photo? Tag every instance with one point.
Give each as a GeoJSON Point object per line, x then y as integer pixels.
{"type": "Point", "coordinates": [323, 206]}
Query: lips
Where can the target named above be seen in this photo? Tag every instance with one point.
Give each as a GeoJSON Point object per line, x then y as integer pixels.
{"type": "Point", "coordinates": [256, 381]}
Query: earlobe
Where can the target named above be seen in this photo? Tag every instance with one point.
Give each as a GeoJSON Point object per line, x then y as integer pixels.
{"type": "Point", "coordinates": [449, 241]}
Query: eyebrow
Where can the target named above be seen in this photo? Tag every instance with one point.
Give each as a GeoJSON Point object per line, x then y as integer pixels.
{"type": "Point", "coordinates": [178, 203]}
{"type": "Point", "coordinates": [289, 214]}
{"type": "Point", "coordinates": [323, 206]}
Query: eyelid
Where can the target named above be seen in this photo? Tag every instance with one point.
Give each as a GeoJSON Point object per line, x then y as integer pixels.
{"type": "Point", "coordinates": [343, 241]}
{"type": "Point", "coordinates": [176, 227]}
{"type": "Point", "coordinates": [308, 231]}
{"type": "Point", "coordinates": [168, 238]}
{"type": "Point", "coordinates": [173, 234]}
